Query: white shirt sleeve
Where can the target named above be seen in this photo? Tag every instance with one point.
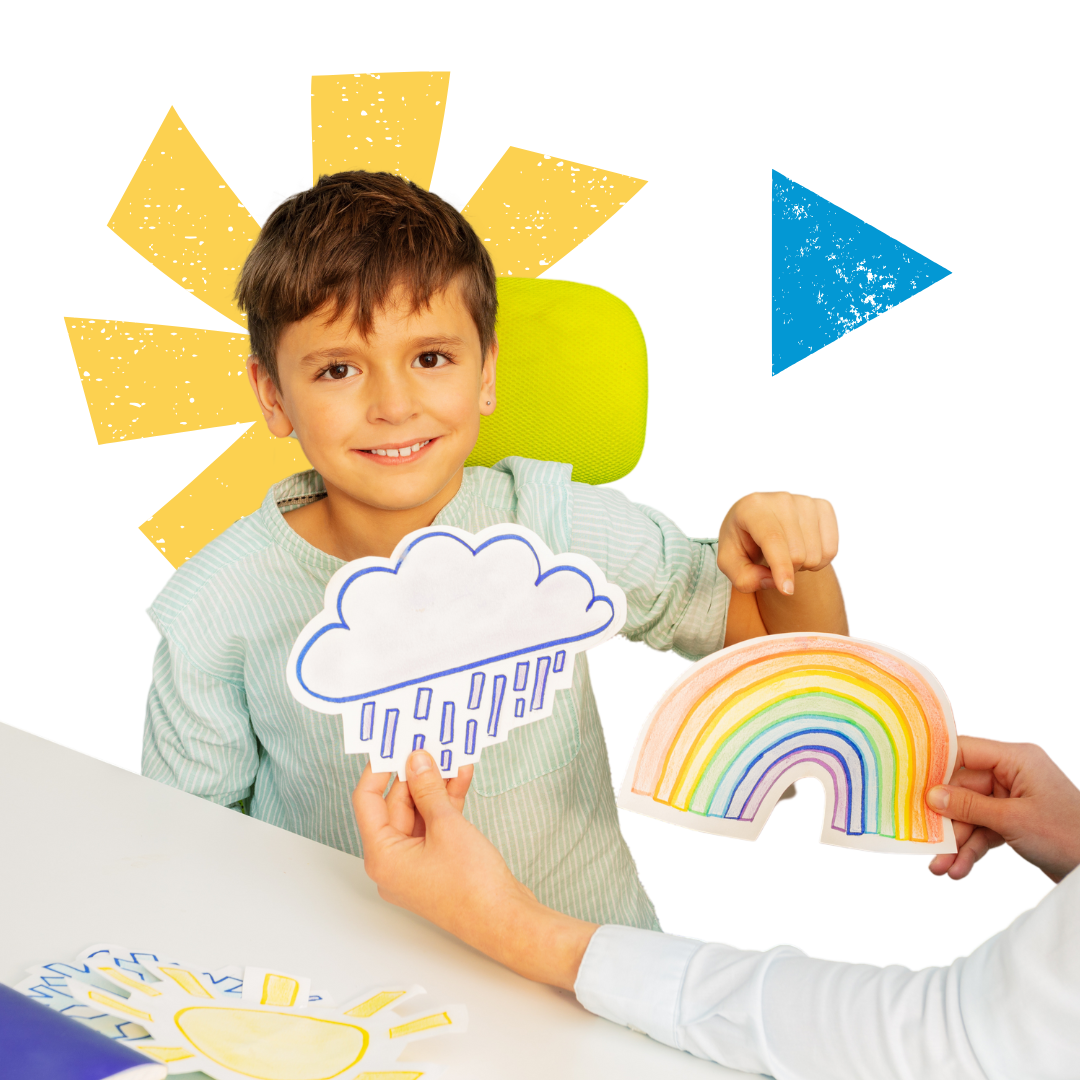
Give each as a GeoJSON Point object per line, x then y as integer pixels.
{"type": "Point", "coordinates": [1010, 1010]}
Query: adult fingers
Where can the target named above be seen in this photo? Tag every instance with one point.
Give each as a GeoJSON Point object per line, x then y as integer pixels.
{"type": "Point", "coordinates": [977, 845]}
{"type": "Point", "coordinates": [399, 804]}
{"type": "Point", "coordinates": [427, 786]}
{"type": "Point", "coordinates": [989, 755]}
{"type": "Point", "coordinates": [457, 787]}
{"type": "Point", "coordinates": [372, 815]}
{"type": "Point", "coordinates": [940, 863]}
{"type": "Point", "coordinates": [962, 804]}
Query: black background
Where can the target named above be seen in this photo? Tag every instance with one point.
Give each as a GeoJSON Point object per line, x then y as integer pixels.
{"type": "Point", "coordinates": [930, 429]}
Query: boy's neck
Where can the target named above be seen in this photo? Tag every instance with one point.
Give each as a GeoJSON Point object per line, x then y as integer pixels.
{"type": "Point", "coordinates": [347, 529]}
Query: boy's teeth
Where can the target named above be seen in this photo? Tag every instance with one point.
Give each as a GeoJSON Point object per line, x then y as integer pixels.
{"type": "Point", "coordinates": [405, 451]}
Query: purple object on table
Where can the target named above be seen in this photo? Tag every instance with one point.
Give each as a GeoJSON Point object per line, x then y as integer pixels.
{"type": "Point", "coordinates": [38, 1043]}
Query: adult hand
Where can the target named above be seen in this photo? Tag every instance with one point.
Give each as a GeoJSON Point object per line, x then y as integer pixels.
{"type": "Point", "coordinates": [1008, 793]}
{"type": "Point", "coordinates": [424, 856]}
{"type": "Point", "coordinates": [769, 536]}
{"type": "Point", "coordinates": [417, 845]}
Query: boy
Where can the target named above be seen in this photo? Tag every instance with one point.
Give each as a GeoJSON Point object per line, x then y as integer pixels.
{"type": "Point", "coordinates": [371, 305]}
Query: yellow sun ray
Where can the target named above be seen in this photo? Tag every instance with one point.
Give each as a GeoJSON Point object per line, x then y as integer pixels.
{"type": "Point", "coordinates": [374, 1004]}
{"type": "Point", "coordinates": [425, 1023]}
{"type": "Point", "coordinates": [187, 981]}
{"type": "Point", "coordinates": [279, 990]}
{"type": "Point", "coordinates": [117, 1005]}
{"type": "Point", "coordinates": [165, 1054]}
{"type": "Point", "coordinates": [130, 983]}
{"type": "Point", "coordinates": [180, 214]}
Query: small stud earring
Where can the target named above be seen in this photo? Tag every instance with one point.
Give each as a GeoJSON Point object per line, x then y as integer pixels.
{"type": "Point", "coordinates": [489, 402]}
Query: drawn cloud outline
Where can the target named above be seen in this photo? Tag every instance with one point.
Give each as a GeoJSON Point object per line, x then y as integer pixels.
{"type": "Point", "coordinates": [429, 534]}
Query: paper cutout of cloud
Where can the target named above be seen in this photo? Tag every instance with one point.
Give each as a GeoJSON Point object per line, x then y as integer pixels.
{"type": "Point", "coordinates": [451, 642]}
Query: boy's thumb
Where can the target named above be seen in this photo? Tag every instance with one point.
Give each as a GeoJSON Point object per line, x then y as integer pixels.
{"type": "Point", "coordinates": [426, 784]}
{"type": "Point", "coordinates": [963, 804]}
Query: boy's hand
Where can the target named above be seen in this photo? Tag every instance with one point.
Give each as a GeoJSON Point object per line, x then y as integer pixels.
{"type": "Point", "coordinates": [769, 536]}
{"type": "Point", "coordinates": [1008, 793]}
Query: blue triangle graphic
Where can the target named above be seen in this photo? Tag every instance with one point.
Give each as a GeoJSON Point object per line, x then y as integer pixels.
{"type": "Point", "coordinates": [832, 273]}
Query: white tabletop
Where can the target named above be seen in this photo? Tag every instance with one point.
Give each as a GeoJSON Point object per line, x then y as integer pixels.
{"type": "Point", "coordinates": [91, 853]}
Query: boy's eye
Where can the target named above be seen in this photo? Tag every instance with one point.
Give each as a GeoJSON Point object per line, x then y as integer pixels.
{"type": "Point", "coordinates": [431, 360]}
{"type": "Point", "coordinates": [339, 371]}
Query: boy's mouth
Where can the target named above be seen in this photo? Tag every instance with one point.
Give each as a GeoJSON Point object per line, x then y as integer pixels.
{"type": "Point", "coordinates": [387, 454]}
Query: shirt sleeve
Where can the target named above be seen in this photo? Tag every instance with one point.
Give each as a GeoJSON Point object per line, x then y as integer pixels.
{"type": "Point", "coordinates": [1010, 1009]}
{"type": "Point", "coordinates": [676, 596]}
{"type": "Point", "coordinates": [198, 734]}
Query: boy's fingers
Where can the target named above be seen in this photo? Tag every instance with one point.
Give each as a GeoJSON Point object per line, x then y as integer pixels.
{"type": "Point", "coordinates": [822, 534]}
{"type": "Point", "coordinates": [777, 553]}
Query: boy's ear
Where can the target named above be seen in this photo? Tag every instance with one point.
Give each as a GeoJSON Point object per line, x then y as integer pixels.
{"type": "Point", "coordinates": [487, 380]}
{"type": "Point", "coordinates": [268, 395]}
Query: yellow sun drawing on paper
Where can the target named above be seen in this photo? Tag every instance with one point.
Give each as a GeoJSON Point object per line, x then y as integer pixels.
{"type": "Point", "coordinates": [271, 1032]}
{"type": "Point", "coordinates": [178, 213]}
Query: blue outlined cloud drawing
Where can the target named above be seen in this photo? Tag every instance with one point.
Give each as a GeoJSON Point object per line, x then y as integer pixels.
{"type": "Point", "coordinates": [832, 272]}
{"type": "Point", "coordinates": [451, 642]}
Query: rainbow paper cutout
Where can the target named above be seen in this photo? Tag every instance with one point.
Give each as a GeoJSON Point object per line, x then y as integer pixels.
{"type": "Point", "coordinates": [743, 724]}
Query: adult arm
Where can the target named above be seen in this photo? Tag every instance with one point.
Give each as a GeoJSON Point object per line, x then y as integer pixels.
{"type": "Point", "coordinates": [1011, 1009]}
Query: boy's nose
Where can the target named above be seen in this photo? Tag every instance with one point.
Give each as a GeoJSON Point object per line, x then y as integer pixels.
{"type": "Point", "coordinates": [392, 401]}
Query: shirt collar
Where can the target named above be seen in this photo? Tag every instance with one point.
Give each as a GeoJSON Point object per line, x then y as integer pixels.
{"type": "Point", "coordinates": [308, 487]}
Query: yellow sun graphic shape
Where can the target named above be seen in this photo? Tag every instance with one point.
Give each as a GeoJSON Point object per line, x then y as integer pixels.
{"type": "Point", "coordinates": [180, 214]}
{"type": "Point", "coordinates": [271, 1032]}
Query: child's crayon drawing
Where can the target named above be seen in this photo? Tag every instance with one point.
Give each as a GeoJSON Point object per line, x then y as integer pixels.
{"type": "Point", "coordinates": [743, 724]}
{"type": "Point", "coordinates": [451, 642]}
{"type": "Point", "coordinates": [239, 1024]}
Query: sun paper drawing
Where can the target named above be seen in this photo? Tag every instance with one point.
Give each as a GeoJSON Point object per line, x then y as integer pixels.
{"type": "Point", "coordinates": [451, 642]}
{"type": "Point", "coordinates": [142, 380]}
{"type": "Point", "coordinates": [743, 724]}
{"type": "Point", "coordinates": [250, 1024]}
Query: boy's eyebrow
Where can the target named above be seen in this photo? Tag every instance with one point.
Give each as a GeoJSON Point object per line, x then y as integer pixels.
{"type": "Point", "coordinates": [321, 355]}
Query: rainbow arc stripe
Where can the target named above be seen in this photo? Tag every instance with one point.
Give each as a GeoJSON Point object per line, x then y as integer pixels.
{"type": "Point", "coordinates": [744, 722]}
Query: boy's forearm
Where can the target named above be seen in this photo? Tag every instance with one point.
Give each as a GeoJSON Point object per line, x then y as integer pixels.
{"type": "Point", "coordinates": [817, 604]}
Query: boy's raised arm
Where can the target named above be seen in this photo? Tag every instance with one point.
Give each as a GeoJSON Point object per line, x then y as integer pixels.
{"type": "Point", "coordinates": [776, 549]}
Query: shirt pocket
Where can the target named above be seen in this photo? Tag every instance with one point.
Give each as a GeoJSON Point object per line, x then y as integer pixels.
{"type": "Point", "coordinates": [535, 749]}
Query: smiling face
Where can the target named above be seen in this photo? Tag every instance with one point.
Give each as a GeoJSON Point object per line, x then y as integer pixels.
{"type": "Point", "coordinates": [387, 420]}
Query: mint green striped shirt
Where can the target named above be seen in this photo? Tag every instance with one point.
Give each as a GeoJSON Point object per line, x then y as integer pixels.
{"type": "Point", "coordinates": [221, 723]}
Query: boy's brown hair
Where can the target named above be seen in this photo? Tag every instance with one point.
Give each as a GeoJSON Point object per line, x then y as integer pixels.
{"type": "Point", "coordinates": [350, 240]}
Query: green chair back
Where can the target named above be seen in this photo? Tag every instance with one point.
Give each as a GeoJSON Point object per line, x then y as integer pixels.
{"type": "Point", "coordinates": [572, 380]}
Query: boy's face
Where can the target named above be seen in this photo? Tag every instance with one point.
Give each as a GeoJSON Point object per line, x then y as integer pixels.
{"type": "Point", "coordinates": [387, 420]}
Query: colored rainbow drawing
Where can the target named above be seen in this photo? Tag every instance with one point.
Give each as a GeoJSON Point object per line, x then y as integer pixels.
{"type": "Point", "coordinates": [743, 724]}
